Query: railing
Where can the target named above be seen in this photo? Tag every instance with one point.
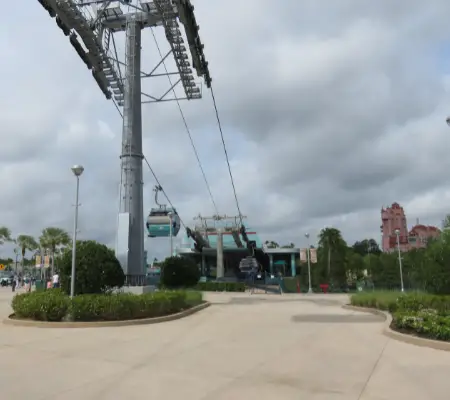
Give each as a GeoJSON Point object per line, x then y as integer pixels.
{"type": "Point", "coordinates": [135, 280]}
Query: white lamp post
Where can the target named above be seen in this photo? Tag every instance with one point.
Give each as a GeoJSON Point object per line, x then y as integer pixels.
{"type": "Point", "coordinates": [397, 233]}
{"type": "Point", "coordinates": [77, 171]}
{"type": "Point", "coordinates": [309, 264]}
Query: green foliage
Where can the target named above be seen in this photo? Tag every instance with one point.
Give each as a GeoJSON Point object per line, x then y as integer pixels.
{"type": "Point", "coordinates": [97, 269]}
{"type": "Point", "coordinates": [366, 246]}
{"type": "Point", "coordinates": [221, 286]}
{"type": "Point", "coordinates": [386, 301]}
{"type": "Point", "coordinates": [51, 305]}
{"type": "Point", "coordinates": [5, 235]}
{"type": "Point", "coordinates": [26, 242]}
{"type": "Point", "coordinates": [423, 314]}
{"type": "Point", "coordinates": [340, 266]}
{"type": "Point", "coordinates": [427, 323]}
{"type": "Point", "coordinates": [53, 237]}
{"type": "Point", "coordinates": [179, 272]}
{"type": "Point", "coordinates": [54, 305]}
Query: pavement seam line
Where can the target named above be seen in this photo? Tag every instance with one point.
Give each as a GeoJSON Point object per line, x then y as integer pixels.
{"type": "Point", "coordinates": [373, 369]}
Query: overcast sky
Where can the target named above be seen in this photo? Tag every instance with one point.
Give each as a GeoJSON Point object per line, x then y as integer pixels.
{"type": "Point", "coordinates": [330, 109]}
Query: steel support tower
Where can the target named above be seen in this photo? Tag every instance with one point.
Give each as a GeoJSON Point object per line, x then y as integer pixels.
{"type": "Point", "coordinates": [93, 24]}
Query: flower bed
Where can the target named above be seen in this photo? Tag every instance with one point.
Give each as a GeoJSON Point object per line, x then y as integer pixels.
{"type": "Point", "coordinates": [421, 314]}
{"type": "Point", "coordinates": [53, 305]}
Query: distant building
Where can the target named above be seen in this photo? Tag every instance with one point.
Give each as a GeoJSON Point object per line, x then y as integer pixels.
{"type": "Point", "coordinates": [393, 218]}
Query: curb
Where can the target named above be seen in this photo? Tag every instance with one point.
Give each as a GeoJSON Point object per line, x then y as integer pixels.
{"type": "Point", "coordinates": [401, 337]}
{"type": "Point", "coordinates": [105, 324]}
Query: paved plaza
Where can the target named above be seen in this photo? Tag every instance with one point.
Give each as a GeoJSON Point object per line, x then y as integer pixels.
{"type": "Point", "coordinates": [242, 347]}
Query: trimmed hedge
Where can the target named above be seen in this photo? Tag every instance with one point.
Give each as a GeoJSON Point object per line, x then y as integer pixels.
{"type": "Point", "coordinates": [422, 314]}
{"type": "Point", "coordinates": [221, 286]}
{"type": "Point", "coordinates": [386, 301]}
{"type": "Point", "coordinates": [49, 305]}
{"type": "Point", "coordinates": [54, 305]}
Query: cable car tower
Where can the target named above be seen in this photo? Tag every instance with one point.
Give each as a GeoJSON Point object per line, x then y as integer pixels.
{"type": "Point", "coordinates": [90, 26]}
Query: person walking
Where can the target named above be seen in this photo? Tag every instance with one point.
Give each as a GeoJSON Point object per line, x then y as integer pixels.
{"type": "Point", "coordinates": [55, 281]}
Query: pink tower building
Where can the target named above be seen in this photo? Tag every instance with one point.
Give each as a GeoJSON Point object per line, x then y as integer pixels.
{"type": "Point", "coordinates": [393, 218]}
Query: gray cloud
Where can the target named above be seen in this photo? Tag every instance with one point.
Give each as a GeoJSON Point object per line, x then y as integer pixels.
{"type": "Point", "coordinates": [329, 112]}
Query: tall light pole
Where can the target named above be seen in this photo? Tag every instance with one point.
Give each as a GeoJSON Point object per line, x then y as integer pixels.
{"type": "Point", "coordinates": [171, 233]}
{"type": "Point", "coordinates": [309, 263]}
{"type": "Point", "coordinates": [16, 252]}
{"type": "Point", "coordinates": [397, 233]}
{"type": "Point", "coordinates": [77, 171]}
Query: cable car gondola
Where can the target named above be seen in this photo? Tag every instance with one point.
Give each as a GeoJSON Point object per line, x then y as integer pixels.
{"type": "Point", "coordinates": [160, 218]}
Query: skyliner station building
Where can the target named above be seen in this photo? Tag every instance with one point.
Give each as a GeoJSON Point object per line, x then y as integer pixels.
{"type": "Point", "coordinates": [224, 245]}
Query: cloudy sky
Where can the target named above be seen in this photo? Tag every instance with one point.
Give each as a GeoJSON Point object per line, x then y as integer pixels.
{"type": "Point", "coordinates": [330, 109]}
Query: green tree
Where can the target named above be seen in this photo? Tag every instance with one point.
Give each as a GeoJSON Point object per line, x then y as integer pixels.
{"type": "Point", "coordinates": [53, 238]}
{"type": "Point", "coordinates": [288, 246]}
{"type": "Point", "coordinates": [179, 272]}
{"type": "Point", "coordinates": [5, 235]}
{"type": "Point", "coordinates": [271, 244]}
{"type": "Point", "coordinates": [26, 242]}
{"type": "Point", "coordinates": [366, 246]}
{"type": "Point", "coordinates": [97, 269]}
{"type": "Point", "coordinates": [333, 253]}
{"type": "Point", "coordinates": [355, 267]}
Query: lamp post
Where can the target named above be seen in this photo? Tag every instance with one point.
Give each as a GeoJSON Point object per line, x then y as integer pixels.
{"type": "Point", "coordinates": [309, 264]}
{"type": "Point", "coordinates": [171, 233]}
{"type": "Point", "coordinates": [397, 233]}
{"type": "Point", "coordinates": [16, 252]}
{"type": "Point", "coordinates": [77, 171]}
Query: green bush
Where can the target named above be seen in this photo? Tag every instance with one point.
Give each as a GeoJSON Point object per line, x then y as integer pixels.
{"type": "Point", "coordinates": [54, 305]}
{"type": "Point", "coordinates": [179, 272]}
{"type": "Point", "coordinates": [427, 323]}
{"type": "Point", "coordinates": [422, 314]}
{"type": "Point", "coordinates": [51, 305]}
{"type": "Point", "coordinates": [125, 306]}
{"type": "Point", "coordinates": [386, 301]}
{"type": "Point", "coordinates": [221, 286]}
{"type": "Point", "coordinates": [97, 269]}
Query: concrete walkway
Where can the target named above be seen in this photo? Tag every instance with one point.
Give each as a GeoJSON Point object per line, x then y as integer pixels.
{"type": "Point", "coordinates": [243, 347]}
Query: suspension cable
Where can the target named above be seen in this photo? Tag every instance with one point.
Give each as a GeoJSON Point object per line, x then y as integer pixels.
{"type": "Point", "coordinates": [162, 189]}
{"type": "Point", "coordinates": [226, 154]}
{"type": "Point", "coordinates": [188, 131]}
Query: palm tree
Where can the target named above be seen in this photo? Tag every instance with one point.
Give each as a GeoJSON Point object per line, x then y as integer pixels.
{"type": "Point", "coordinates": [5, 235]}
{"type": "Point", "coordinates": [330, 238]}
{"type": "Point", "coordinates": [52, 238]}
{"type": "Point", "coordinates": [26, 242]}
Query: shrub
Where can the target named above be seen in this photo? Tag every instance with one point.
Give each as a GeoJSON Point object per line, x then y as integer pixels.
{"type": "Point", "coordinates": [97, 269]}
{"type": "Point", "coordinates": [125, 306]}
{"type": "Point", "coordinates": [386, 301]}
{"type": "Point", "coordinates": [54, 305]}
{"type": "Point", "coordinates": [427, 323]}
{"type": "Point", "coordinates": [51, 305]}
{"type": "Point", "coordinates": [179, 272]}
{"type": "Point", "coordinates": [423, 314]}
{"type": "Point", "coordinates": [221, 286]}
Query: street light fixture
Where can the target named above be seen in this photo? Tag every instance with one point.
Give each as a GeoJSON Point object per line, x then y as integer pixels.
{"type": "Point", "coordinates": [309, 263]}
{"type": "Point", "coordinates": [448, 121]}
{"type": "Point", "coordinates": [77, 171]}
{"type": "Point", "coordinates": [16, 252]}
{"type": "Point", "coordinates": [397, 233]}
